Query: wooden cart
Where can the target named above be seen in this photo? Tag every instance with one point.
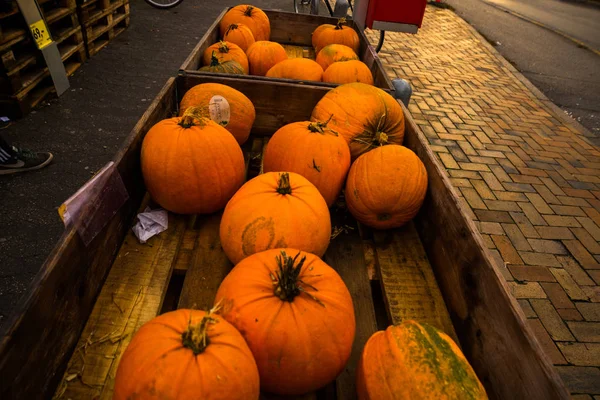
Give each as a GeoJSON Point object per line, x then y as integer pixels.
{"type": "Point", "coordinates": [99, 284]}
{"type": "Point", "coordinates": [294, 32]}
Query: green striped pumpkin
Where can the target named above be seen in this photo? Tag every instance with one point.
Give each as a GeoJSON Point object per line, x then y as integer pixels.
{"type": "Point", "coordinates": [226, 67]}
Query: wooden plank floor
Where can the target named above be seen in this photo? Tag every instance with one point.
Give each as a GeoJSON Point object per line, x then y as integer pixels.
{"type": "Point", "coordinates": [143, 274]}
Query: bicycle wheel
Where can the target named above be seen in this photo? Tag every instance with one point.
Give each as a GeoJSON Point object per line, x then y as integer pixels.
{"type": "Point", "coordinates": [163, 4]}
{"type": "Point", "coordinates": [302, 6]}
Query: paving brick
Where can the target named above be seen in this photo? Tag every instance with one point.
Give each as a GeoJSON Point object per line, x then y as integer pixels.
{"type": "Point", "coordinates": [582, 354]}
{"type": "Point", "coordinates": [568, 284]}
{"type": "Point", "coordinates": [457, 173]}
{"type": "Point", "coordinates": [569, 314]}
{"type": "Point", "coordinates": [547, 246]}
{"type": "Point", "coordinates": [506, 249]}
{"type": "Point", "coordinates": [551, 320]}
{"type": "Point", "coordinates": [556, 294]}
{"type": "Point", "coordinates": [559, 220]}
{"type": "Point", "coordinates": [593, 214]}
{"type": "Point", "coordinates": [590, 226]}
{"type": "Point", "coordinates": [574, 269]}
{"type": "Point", "coordinates": [546, 341]}
{"type": "Point", "coordinates": [448, 161]}
{"type": "Point", "coordinates": [528, 290]}
{"type": "Point", "coordinates": [524, 225]}
{"type": "Point", "coordinates": [457, 153]}
{"type": "Point", "coordinates": [573, 201]}
{"type": "Point", "coordinates": [580, 379]}
{"type": "Point", "coordinates": [582, 397]}
{"type": "Point", "coordinates": [532, 214]}
{"type": "Point", "coordinates": [539, 203]}
{"type": "Point", "coordinates": [493, 228]}
{"type": "Point", "coordinates": [580, 253]}
{"type": "Point", "coordinates": [531, 273]}
{"type": "Point", "coordinates": [589, 311]}
{"type": "Point", "coordinates": [473, 166]}
{"type": "Point", "coordinates": [510, 196]}
{"type": "Point", "coordinates": [500, 174]}
{"type": "Point", "coordinates": [484, 191]}
{"type": "Point", "coordinates": [489, 243]}
{"type": "Point", "coordinates": [554, 232]}
{"type": "Point", "coordinates": [493, 216]}
{"type": "Point", "coordinates": [578, 193]}
{"type": "Point", "coordinates": [593, 293]}
{"type": "Point", "coordinates": [473, 198]}
{"type": "Point", "coordinates": [543, 259]}
{"type": "Point", "coordinates": [526, 307]}
{"type": "Point", "coordinates": [516, 237]}
{"type": "Point", "coordinates": [461, 182]}
{"type": "Point", "coordinates": [587, 240]}
{"type": "Point", "coordinates": [554, 188]}
{"type": "Point", "coordinates": [584, 331]}
{"type": "Point", "coordinates": [568, 210]}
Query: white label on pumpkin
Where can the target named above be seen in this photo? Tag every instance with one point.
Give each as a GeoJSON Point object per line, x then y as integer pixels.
{"type": "Point", "coordinates": [219, 110]}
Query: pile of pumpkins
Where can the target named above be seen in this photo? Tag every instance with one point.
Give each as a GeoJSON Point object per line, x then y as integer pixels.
{"type": "Point", "coordinates": [283, 321]}
{"type": "Point", "coordinates": [245, 48]}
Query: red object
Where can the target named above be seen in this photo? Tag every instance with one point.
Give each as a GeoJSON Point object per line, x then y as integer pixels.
{"type": "Point", "coordinates": [403, 12]}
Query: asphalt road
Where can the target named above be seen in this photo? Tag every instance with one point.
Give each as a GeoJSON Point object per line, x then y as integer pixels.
{"type": "Point", "coordinates": [567, 74]}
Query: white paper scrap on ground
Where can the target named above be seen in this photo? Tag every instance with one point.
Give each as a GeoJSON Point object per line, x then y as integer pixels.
{"type": "Point", "coordinates": [150, 223]}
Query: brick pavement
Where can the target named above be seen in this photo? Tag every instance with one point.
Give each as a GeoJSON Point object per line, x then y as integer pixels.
{"type": "Point", "coordinates": [527, 176]}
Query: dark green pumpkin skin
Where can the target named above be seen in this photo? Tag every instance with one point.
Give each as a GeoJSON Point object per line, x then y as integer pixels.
{"type": "Point", "coordinates": [227, 67]}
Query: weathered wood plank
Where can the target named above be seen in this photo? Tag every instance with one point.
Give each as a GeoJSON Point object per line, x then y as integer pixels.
{"type": "Point", "coordinates": [488, 321]}
{"type": "Point", "coordinates": [131, 296]}
{"type": "Point", "coordinates": [345, 255]}
{"type": "Point", "coordinates": [62, 294]}
{"type": "Point", "coordinates": [410, 290]}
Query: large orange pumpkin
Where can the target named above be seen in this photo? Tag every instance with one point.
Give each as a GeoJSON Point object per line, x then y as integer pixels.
{"type": "Point", "coordinates": [297, 68]}
{"type": "Point", "coordinates": [415, 361]}
{"type": "Point", "coordinates": [191, 166]}
{"type": "Point", "coordinates": [263, 55]}
{"type": "Point", "coordinates": [239, 34]}
{"type": "Point", "coordinates": [226, 51]}
{"type": "Point", "coordinates": [228, 107]}
{"type": "Point", "coordinates": [296, 315]}
{"type": "Point", "coordinates": [334, 52]}
{"type": "Point", "coordinates": [364, 115]}
{"type": "Point", "coordinates": [347, 72]}
{"type": "Point", "coordinates": [339, 33]}
{"type": "Point", "coordinates": [251, 16]}
{"type": "Point", "coordinates": [187, 354]}
{"type": "Point", "coordinates": [225, 67]}
{"type": "Point", "coordinates": [275, 209]}
{"type": "Point", "coordinates": [312, 150]}
{"type": "Point", "coordinates": [386, 187]}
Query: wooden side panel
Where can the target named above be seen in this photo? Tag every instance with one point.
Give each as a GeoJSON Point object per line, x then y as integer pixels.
{"type": "Point", "coordinates": [194, 60]}
{"type": "Point", "coordinates": [490, 326]}
{"type": "Point", "coordinates": [409, 288]}
{"type": "Point", "coordinates": [276, 103]}
{"type": "Point", "coordinates": [63, 293]}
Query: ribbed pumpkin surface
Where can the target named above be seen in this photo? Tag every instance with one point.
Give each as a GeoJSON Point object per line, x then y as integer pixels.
{"type": "Point", "coordinates": [417, 362]}
{"type": "Point", "coordinates": [251, 16]}
{"type": "Point", "coordinates": [334, 52]}
{"type": "Point", "coordinates": [347, 72]}
{"type": "Point", "coordinates": [226, 51]}
{"type": "Point", "coordinates": [263, 55]}
{"type": "Point", "coordinates": [297, 68]}
{"type": "Point", "coordinates": [386, 187]}
{"type": "Point", "coordinates": [239, 34]}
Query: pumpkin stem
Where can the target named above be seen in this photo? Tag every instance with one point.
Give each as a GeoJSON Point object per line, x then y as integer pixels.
{"type": "Point", "coordinates": [320, 127]}
{"type": "Point", "coordinates": [193, 114]}
{"type": "Point", "coordinates": [230, 28]}
{"type": "Point", "coordinates": [214, 61]}
{"type": "Point", "coordinates": [223, 48]}
{"type": "Point", "coordinates": [287, 282]}
{"type": "Point", "coordinates": [381, 138]}
{"type": "Point", "coordinates": [283, 185]}
{"type": "Point", "coordinates": [340, 23]}
{"type": "Point", "coordinates": [248, 11]}
{"type": "Point", "coordinates": [195, 337]}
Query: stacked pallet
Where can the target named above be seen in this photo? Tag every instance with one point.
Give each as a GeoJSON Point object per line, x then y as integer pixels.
{"type": "Point", "coordinates": [24, 76]}
{"type": "Point", "coordinates": [102, 21]}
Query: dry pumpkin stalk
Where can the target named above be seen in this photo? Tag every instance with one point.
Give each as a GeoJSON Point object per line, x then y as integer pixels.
{"type": "Point", "coordinates": [338, 230]}
{"type": "Point", "coordinates": [195, 337]}
{"type": "Point", "coordinates": [287, 283]}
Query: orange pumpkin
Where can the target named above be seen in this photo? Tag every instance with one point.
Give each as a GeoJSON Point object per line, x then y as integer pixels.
{"type": "Point", "coordinates": [339, 33]}
{"type": "Point", "coordinates": [275, 210]}
{"type": "Point", "coordinates": [415, 361]}
{"type": "Point", "coordinates": [239, 34]}
{"type": "Point", "coordinates": [225, 67]}
{"type": "Point", "coordinates": [386, 187]}
{"type": "Point", "coordinates": [312, 150]}
{"type": "Point", "coordinates": [348, 71]}
{"type": "Point", "coordinates": [191, 165]}
{"type": "Point", "coordinates": [296, 315]}
{"type": "Point", "coordinates": [226, 51]}
{"type": "Point", "coordinates": [303, 69]}
{"type": "Point", "coordinates": [251, 16]}
{"type": "Point", "coordinates": [263, 55]}
{"type": "Point", "coordinates": [334, 52]}
{"type": "Point", "coordinates": [186, 354]}
{"type": "Point", "coordinates": [364, 115]}
{"type": "Point", "coordinates": [228, 107]}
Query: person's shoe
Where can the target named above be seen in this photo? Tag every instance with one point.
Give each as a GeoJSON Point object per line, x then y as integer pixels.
{"type": "Point", "coordinates": [26, 161]}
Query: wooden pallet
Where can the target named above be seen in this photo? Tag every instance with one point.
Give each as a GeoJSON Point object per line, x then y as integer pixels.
{"type": "Point", "coordinates": [92, 9]}
{"type": "Point", "coordinates": [183, 267]}
{"type": "Point", "coordinates": [101, 29]}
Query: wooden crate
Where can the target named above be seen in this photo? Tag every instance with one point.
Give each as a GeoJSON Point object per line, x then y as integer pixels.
{"type": "Point", "coordinates": [102, 21]}
{"type": "Point", "coordinates": [294, 32]}
{"type": "Point", "coordinates": [99, 285]}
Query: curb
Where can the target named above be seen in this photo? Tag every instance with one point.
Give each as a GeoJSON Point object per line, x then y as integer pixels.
{"type": "Point", "coordinates": [560, 114]}
{"type": "Point", "coordinates": [542, 25]}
